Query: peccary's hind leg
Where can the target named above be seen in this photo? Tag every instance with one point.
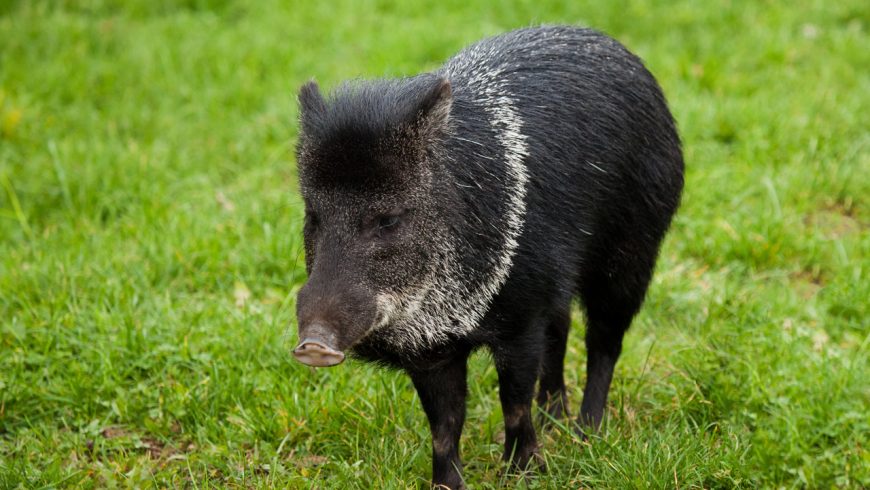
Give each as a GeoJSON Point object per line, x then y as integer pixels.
{"type": "Point", "coordinates": [612, 295]}
{"type": "Point", "coordinates": [442, 392]}
{"type": "Point", "coordinates": [552, 395]}
{"type": "Point", "coordinates": [603, 346]}
{"type": "Point", "coordinates": [517, 362]}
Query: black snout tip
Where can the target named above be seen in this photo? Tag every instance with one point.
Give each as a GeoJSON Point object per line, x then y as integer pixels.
{"type": "Point", "coordinates": [316, 353]}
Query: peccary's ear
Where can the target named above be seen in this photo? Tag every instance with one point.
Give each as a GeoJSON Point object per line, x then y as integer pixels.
{"type": "Point", "coordinates": [311, 102]}
{"type": "Point", "coordinates": [433, 110]}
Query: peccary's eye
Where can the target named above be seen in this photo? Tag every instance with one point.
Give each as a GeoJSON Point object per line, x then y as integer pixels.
{"type": "Point", "coordinates": [388, 222]}
{"type": "Point", "coordinates": [384, 225]}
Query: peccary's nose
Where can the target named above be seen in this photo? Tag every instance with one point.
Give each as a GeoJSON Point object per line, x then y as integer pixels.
{"type": "Point", "coordinates": [315, 353]}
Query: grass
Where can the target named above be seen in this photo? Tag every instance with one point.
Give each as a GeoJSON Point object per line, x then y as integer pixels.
{"type": "Point", "coordinates": [150, 251]}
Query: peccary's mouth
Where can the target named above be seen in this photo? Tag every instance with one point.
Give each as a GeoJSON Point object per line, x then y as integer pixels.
{"type": "Point", "coordinates": [314, 352]}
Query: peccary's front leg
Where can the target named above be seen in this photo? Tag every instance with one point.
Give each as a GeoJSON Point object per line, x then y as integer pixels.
{"type": "Point", "coordinates": [442, 391]}
{"type": "Point", "coordinates": [517, 365]}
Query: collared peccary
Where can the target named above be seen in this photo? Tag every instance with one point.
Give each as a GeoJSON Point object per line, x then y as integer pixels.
{"type": "Point", "coordinates": [467, 207]}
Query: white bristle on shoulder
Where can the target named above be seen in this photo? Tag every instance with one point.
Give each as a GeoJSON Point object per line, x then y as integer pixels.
{"type": "Point", "coordinates": [446, 306]}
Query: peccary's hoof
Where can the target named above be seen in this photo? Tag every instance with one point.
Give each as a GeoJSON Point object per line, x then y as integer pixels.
{"type": "Point", "coordinates": [584, 430]}
{"type": "Point", "coordinates": [553, 411]}
{"type": "Point", "coordinates": [453, 483]}
{"type": "Point", "coordinates": [527, 460]}
{"type": "Point", "coordinates": [442, 486]}
{"type": "Point", "coordinates": [315, 353]}
{"type": "Point", "coordinates": [526, 467]}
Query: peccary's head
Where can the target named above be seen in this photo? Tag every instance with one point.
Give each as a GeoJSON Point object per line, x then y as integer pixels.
{"type": "Point", "coordinates": [375, 206]}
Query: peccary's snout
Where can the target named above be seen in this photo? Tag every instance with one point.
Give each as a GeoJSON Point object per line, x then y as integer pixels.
{"type": "Point", "coordinates": [315, 347]}
{"type": "Point", "coordinates": [332, 318]}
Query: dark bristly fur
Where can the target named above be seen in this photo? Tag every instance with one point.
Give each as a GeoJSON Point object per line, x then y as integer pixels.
{"type": "Point", "coordinates": [468, 207]}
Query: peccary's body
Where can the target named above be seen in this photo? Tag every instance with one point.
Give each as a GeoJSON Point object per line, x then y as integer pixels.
{"type": "Point", "coordinates": [469, 206]}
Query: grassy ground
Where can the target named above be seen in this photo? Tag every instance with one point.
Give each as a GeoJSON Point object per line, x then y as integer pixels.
{"type": "Point", "coordinates": [150, 251]}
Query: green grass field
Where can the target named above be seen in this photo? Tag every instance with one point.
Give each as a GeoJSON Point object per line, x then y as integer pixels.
{"type": "Point", "coordinates": [150, 251]}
